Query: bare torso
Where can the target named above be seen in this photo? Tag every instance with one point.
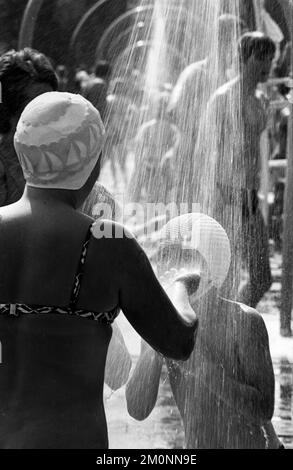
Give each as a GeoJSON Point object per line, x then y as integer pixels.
{"type": "Point", "coordinates": [208, 389]}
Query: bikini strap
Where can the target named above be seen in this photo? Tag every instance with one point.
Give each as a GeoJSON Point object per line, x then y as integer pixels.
{"type": "Point", "coordinates": [80, 270]}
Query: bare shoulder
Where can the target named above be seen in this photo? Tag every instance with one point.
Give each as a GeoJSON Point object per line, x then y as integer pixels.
{"type": "Point", "coordinates": [252, 314]}
{"type": "Point", "coordinates": [255, 326]}
{"type": "Point", "coordinates": [117, 240]}
{"type": "Point", "coordinates": [248, 319]}
{"type": "Point", "coordinates": [111, 259]}
{"type": "Point", "coordinates": [104, 229]}
{"type": "Point", "coordinates": [225, 91]}
{"type": "Point", "coordinates": [193, 69]}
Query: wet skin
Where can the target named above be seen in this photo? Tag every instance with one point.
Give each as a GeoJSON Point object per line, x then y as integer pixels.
{"type": "Point", "coordinates": [225, 391]}
{"type": "Point", "coordinates": [51, 379]}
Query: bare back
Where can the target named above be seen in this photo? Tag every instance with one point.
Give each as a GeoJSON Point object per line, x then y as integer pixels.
{"type": "Point", "coordinates": [53, 365]}
{"type": "Point", "coordinates": [51, 359]}
{"type": "Point", "coordinates": [225, 391]}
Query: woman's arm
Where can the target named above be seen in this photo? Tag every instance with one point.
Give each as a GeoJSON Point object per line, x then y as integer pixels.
{"type": "Point", "coordinates": [143, 386]}
{"type": "Point", "coordinates": [148, 308]}
{"type": "Point", "coordinates": [118, 362]}
{"type": "Point", "coordinates": [141, 297]}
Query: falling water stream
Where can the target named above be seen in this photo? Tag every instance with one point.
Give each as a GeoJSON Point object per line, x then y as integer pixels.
{"type": "Point", "coordinates": [145, 121]}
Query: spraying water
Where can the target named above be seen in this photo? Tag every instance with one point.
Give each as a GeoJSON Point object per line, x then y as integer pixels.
{"type": "Point", "coordinates": [177, 148]}
{"type": "Point", "coordinates": [186, 152]}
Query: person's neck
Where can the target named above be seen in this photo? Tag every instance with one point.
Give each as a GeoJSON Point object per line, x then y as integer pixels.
{"type": "Point", "coordinates": [248, 84]}
{"type": "Point", "coordinates": [50, 197]}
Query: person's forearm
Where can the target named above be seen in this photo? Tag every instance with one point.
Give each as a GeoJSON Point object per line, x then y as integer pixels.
{"type": "Point", "coordinates": [142, 388]}
{"type": "Point", "coordinates": [179, 296]}
{"type": "Point", "coordinates": [118, 362]}
{"type": "Point", "coordinates": [148, 369]}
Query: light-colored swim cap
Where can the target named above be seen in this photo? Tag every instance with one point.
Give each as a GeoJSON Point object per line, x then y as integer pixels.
{"type": "Point", "coordinates": [199, 232]}
{"type": "Point", "coordinates": [58, 140]}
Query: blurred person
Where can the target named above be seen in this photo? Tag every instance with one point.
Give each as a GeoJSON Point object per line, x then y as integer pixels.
{"type": "Point", "coordinates": [81, 79]}
{"type": "Point", "coordinates": [239, 116]}
{"type": "Point", "coordinates": [24, 75]}
{"type": "Point", "coordinates": [63, 280]}
{"type": "Point", "coordinates": [121, 122]}
{"type": "Point", "coordinates": [190, 96]}
{"type": "Point", "coordinates": [225, 391]}
{"type": "Point", "coordinates": [155, 148]}
{"type": "Point", "coordinates": [62, 75]}
{"type": "Point", "coordinates": [282, 70]}
{"type": "Point", "coordinates": [200, 79]}
{"type": "Point", "coordinates": [96, 89]}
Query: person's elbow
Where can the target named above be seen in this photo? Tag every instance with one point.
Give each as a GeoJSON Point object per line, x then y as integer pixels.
{"type": "Point", "coordinates": [185, 351]}
{"type": "Point", "coordinates": [137, 408]}
{"type": "Point", "coordinates": [139, 412]}
{"type": "Point", "coordinates": [182, 346]}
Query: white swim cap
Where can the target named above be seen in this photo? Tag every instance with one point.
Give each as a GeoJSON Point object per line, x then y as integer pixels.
{"type": "Point", "coordinates": [206, 236]}
{"type": "Point", "coordinates": [58, 140]}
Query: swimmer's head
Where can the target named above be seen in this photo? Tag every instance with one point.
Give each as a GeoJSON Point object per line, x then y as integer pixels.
{"type": "Point", "coordinates": [24, 75]}
{"type": "Point", "coordinates": [103, 69]}
{"type": "Point", "coordinates": [256, 54]}
{"type": "Point", "coordinates": [196, 243]}
{"type": "Point", "coordinates": [171, 254]}
{"type": "Point", "coordinates": [58, 140]}
{"type": "Point", "coordinates": [174, 257]}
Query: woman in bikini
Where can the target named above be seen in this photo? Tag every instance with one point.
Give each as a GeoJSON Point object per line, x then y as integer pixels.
{"type": "Point", "coordinates": [63, 280]}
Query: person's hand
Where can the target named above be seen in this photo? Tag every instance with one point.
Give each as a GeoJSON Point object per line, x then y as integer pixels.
{"type": "Point", "coordinates": [190, 281]}
{"type": "Point", "coordinates": [181, 291]}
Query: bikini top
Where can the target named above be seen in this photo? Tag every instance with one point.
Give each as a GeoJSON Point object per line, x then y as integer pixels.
{"type": "Point", "coordinates": [17, 310]}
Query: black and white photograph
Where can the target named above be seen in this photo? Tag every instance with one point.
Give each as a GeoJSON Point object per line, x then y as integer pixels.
{"type": "Point", "coordinates": [146, 229]}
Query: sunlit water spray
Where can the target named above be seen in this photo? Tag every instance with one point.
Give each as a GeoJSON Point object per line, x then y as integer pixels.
{"type": "Point", "coordinates": [202, 166]}
{"type": "Point", "coordinates": [183, 151]}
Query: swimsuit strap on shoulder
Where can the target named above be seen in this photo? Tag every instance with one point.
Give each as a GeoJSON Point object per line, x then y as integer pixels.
{"type": "Point", "coordinates": [80, 270]}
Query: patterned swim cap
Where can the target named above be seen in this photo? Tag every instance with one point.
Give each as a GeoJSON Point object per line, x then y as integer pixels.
{"type": "Point", "coordinates": [58, 140]}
